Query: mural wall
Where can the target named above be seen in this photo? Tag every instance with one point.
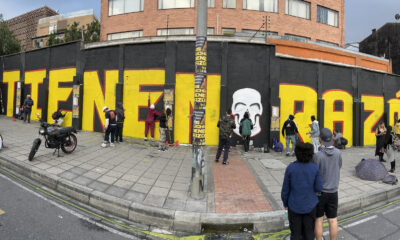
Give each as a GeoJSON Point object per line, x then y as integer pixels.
{"type": "Point", "coordinates": [241, 77]}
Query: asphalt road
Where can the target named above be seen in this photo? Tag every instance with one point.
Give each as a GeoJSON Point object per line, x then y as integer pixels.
{"type": "Point", "coordinates": [25, 214]}
{"type": "Point", "coordinates": [378, 224]}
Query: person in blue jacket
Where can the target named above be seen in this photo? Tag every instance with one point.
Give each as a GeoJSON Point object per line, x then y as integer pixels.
{"type": "Point", "coordinates": [301, 184]}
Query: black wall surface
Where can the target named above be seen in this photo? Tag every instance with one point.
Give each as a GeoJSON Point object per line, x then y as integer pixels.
{"type": "Point", "coordinates": [241, 65]}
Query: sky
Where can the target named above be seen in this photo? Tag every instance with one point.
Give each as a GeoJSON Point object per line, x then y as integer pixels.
{"type": "Point", "coordinates": [361, 15]}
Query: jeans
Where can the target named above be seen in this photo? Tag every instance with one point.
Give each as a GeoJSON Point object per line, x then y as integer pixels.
{"type": "Point", "coordinates": [118, 132]}
{"type": "Point", "coordinates": [246, 143]}
{"type": "Point", "coordinates": [28, 115]}
{"type": "Point", "coordinates": [302, 225]}
{"type": "Point", "coordinates": [315, 142]}
{"type": "Point", "coordinates": [111, 129]}
{"type": "Point", "coordinates": [291, 138]}
{"type": "Point", "coordinates": [223, 144]}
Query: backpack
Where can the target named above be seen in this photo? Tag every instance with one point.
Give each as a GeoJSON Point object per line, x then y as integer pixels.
{"type": "Point", "coordinates": [54, 115]}
{"type": "Point", "coordinates": [390, 179]}
{"type": "Point", "coordinates": [225, 128]}
{"type": "Point", "coordinates": [245, 127]}
{"type": "Point", "coordinates": [278, 146]}
{"type": "Point", "coordinates": [343, 141]}
{"type": "Point", "coordinates": [112, 115]}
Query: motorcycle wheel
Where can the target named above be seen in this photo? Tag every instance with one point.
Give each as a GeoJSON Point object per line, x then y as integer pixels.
{"type": "Point", "coordinates": [70, 147]}
{"type": "Point", "coordinates": [35, 147]}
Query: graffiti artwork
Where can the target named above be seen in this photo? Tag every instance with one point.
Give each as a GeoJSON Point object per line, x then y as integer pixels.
{"type": "Point", "coordinates": [247, 100]}
{"type": "Point", "coordinates": [274, 87]}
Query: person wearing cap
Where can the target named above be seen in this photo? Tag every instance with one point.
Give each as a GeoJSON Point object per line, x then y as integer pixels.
{"type": "Point", "coordinates": [290, 130]}
{"type": "Point", "coordinates": [152, 113]}
{"type": "Point", "coordinates": [110, 127]}
{"type": "Point", "coordinates": [28, 103]}
{"type": "Point", "coordinates": [329, 162]}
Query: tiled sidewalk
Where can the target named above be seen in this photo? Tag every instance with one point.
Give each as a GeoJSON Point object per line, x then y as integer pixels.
{"type": "Point", "coordinates": [235, 189]}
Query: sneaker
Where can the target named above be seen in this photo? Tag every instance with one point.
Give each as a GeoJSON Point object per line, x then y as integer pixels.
{"type": "Point", "coordinates": [104, 145]}
{"type": "Point", "coordinates": [287, 154]}
{"type": "Point", "coordinates": [145, 139]}
{"type": "Point", "coordinates": [216, 160]}
{"type": "Point", "coordinates": [121, 141]}
{"type": "Point", "coordinates": [112, 145]}
{"type": "Point", "coordinates": [225, 163]}
{"type": "Point", "coordinates": [152, 139]}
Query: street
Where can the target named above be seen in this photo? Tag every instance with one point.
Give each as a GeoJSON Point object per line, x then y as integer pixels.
{"type": "Point", "coordinates": [27, 214]}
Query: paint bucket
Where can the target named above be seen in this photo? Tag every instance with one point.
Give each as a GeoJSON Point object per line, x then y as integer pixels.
{"type": "Point", "coordinates": [177, 143]}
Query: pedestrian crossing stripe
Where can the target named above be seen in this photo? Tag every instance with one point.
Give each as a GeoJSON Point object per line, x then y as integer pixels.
{"type": "Point", "coordinates": [1, 212]}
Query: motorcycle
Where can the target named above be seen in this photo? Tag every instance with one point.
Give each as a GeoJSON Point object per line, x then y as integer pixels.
{"type": "Point", "coordinates": [55, 138]}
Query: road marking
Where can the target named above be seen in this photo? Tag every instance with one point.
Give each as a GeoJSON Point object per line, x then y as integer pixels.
{"type": "Point", "coordinates": [76, 214]}
{"type": "Point", "coordinates": [360, 221]}
{"type": "Point", "coordinates": [1, 212]}
{"type": "Point", "coordinates": [391, 210]}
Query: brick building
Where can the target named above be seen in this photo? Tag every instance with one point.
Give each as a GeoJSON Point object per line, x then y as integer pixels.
{"type": "Point", "coordinates": [24, 26]}
{"type": "Point", "coordinates": [384, 42]}
{"type": "Point", "coordinates": [315, 20]}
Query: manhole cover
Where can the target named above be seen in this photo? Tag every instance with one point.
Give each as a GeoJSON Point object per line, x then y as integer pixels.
{"type": "Point", "coordinates": [273, 164]}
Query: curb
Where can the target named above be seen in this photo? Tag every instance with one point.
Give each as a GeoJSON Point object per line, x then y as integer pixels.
{"type": "Point", "coordinates": [180, 221]}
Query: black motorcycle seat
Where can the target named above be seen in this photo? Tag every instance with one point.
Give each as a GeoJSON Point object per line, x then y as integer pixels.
{"type": "Point", "coordinates": [61, 131]}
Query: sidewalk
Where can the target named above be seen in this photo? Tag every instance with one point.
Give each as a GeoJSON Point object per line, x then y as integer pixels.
{"type": "Point", "coordinates": [143, 185]}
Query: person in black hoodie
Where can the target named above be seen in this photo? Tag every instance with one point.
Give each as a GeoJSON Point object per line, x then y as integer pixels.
{"type": "Point", "coordinates": [120, 112]}
{"type": "Point", "coordinates": [290, 130]}
{"type": "Point", "coordinates": [28, 103]}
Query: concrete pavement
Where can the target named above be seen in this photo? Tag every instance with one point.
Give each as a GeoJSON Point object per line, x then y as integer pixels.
{"type": "Point", "coordinates": [143, 185]}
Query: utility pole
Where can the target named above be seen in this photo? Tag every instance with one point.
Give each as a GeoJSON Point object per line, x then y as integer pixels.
{"type": "Point", "coordinates": [198, 117]}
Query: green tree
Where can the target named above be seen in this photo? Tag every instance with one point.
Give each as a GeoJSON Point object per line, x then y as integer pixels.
{"type": "Point", "coordinates": [92, 32]}
{"type": "Point", "coordinates": [54, 39]}
{"type": "Point", "coordinates": [8, 43]}
{"type": "Point", "coordinates": [73, 33]}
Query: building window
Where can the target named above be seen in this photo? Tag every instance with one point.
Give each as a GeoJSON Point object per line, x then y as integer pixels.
{"type": "Point", "coordinates": [211, 3]}
{"type": "Point", "coordinates": [210, 31]}
{"type": "Point", "coordinates": [261, 5]}
{"type": "Point", "coordinates": [327, 16]}
{"type": "Point", "coordinates": [228, 31]}
{"type": "Point", "coordinates": [116, 7]}
{"type": "Point", "coordinates": [52, 28]}
{"type": "Point", "coordinates": [296, 38]}
{"type": "Point", "coordinates": [168, 4]}
{"type": "Point", "coordinates": [255, 33]}
{"type": "Point", "coordinates": [174, 31]}
{"type": "Point", "coordinates": [328, 43]}
{"type": "Point", "coordinates": [298, 8]}
{"type": "Point", "coordinates": [122, 35]}
{"type": "Point", "coordinates": [39, 43]}
{"type": "Point", "coordinates": [229, 3]}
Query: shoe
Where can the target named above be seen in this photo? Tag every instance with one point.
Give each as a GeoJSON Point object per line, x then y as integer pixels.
{"type": "Point", "coordinates": [104, 145]}
{"type": "Point", "coordinates": [392, 166]}
{"type": "Point", "coordinates": [112, 145]}
{"type": "Point", "coordinates": [287, 154]}
{"type": "Point", "coordinates": [216, 160]}
{"type": "Point", "coordinates": [145, 139]}
{"type": "Point", "coordinates": [121, 141]}
{"type": "Point", "coordinates": [225, 163]}
{"type": "Point", "coordinates": [152, 139]}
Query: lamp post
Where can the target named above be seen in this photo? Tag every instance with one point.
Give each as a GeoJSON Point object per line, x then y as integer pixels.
{"type": "Point", "coordinates": [197, 189]}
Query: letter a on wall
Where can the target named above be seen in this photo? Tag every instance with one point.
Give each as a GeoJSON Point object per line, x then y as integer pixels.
{"type": "Point", "coordinates": [338, 112]}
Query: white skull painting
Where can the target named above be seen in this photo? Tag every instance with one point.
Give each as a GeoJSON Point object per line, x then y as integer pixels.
{"type": "Point", "coordinates": [247, 100]}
